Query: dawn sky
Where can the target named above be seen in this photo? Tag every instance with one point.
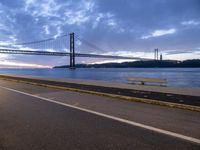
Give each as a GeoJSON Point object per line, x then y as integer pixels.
{"type": "Point", "coordinates": [118, 27]}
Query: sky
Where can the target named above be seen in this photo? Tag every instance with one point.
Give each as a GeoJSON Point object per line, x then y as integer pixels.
{"type": "Point", "coordinates": [131, 28]}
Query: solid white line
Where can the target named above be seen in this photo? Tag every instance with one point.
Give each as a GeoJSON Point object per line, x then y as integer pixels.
{"type": "Point", "coordinates": [180, 136]}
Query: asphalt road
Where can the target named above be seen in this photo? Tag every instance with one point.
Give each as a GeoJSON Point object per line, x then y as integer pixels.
{"type": "Point", "coordinates": [28, 122]}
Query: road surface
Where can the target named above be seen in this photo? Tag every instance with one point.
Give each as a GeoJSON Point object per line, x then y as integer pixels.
{"type": "Point", "coordinates": [34, 117]}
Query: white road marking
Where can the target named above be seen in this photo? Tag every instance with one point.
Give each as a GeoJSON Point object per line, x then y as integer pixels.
{"type": "Point", "coordinates": [177, 135]}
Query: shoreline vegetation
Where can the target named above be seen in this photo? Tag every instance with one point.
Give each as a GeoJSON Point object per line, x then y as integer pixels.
{"type": "Point", "coordinates": [194, 63]}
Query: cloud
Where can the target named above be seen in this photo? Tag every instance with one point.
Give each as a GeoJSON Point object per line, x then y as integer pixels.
{"type": "Point", "coordinates": [112, 22]}
{"type": "Point", "coordinates": [77, 18]}
{"type": "Point", "coordinates": [97, 20]}
{"type": "Point", "coordinates": [130, 54]}
{"type": "Point", "coordinates": [109, 21]}
{"type": "Point", "coordinates": [3, 27]}
{"type": "Point", "coordinates": [59, 32]}
{"type": "Point", "coordinates": [79, 13]}
{"type": "Point", "coordinates": [190, 22]}
{"type": "Point", "coordinates": [46, 29]}
{"type": "Point", "coordinates": [109, 61]}
{"type": "Point", "coordinates": [175, 55]}
{"type": "Point", "coordinates": [7, 28]}
{"type": "Point", "coordinates": [107, 18]}
{"type": "Point", "coordinates": [158, 33]}
{"type": "Point", "coordinates": [171, 52]}
{"type": "Point", "coordinates": [148, 55]}
{"type": "Point", "coordinates": [4, 43]}
{"type": "Point", "coordinates": [43, 8]}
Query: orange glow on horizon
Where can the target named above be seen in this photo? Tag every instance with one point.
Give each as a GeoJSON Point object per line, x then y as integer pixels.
{"type": "Point", "coordinates": [8, 64]}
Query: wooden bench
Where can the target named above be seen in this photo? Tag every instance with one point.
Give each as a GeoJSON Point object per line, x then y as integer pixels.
{"type": "Point", "coordinates": [142, 81]}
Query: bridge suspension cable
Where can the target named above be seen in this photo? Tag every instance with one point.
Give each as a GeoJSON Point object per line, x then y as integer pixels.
{"type": "Point", "coordinates": [89, 44]}
{"type": "Point", "coordinates": [41, 41]}
{"type": "Point", "coordinates": [58, 43]}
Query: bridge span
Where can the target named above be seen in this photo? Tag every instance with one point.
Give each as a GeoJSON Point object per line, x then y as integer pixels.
{"type": "Point", "coordinates": [46, 47]}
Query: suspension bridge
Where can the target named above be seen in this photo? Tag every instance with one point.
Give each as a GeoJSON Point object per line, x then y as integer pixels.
{"type": "Point", "coordinates": [58, 46]}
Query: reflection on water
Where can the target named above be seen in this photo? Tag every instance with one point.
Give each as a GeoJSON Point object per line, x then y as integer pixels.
{"type": "Point", "coordinates": [184, 77]}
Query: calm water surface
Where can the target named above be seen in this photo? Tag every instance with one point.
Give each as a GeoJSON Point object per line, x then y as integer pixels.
{"type": "Point", "coordinates": [178, 77]}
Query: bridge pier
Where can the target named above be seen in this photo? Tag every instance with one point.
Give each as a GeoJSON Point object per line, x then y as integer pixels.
{"type": "Point", "coordinates": [72, 51]}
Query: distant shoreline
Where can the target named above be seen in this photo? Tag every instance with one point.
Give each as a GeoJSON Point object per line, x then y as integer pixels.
{"type": "Point", "coordinates": [195, 63]}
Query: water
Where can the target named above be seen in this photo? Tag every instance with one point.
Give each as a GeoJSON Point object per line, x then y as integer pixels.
{"type": "Point", "coordinates": [176, 77]}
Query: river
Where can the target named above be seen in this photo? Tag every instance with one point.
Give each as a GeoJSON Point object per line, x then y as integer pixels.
{"type": "Point", "coordinates": [176, 77]}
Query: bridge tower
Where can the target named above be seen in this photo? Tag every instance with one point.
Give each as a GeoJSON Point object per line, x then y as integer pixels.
{"type": "Point", "coordinates": [156, 54]}
{"type": "Point", "coordinates": [72, 51]}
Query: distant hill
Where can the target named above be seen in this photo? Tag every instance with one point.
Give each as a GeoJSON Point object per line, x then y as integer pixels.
{"type": "Point", "coordinates": [143, 64]}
